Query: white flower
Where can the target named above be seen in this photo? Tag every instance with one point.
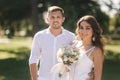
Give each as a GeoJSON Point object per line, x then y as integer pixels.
{"type": "Point", "coordinates": [60, 69]}
{"type": "Point", "coordinates": [66, 56]}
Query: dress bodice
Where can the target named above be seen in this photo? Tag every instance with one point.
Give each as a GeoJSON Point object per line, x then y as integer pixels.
{"type": "Point", "coordinates": [84, 65]}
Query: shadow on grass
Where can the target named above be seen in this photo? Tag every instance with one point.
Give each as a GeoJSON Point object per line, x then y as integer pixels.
{"type": "Point", "coordinates": [14, 69]}
{"type": "Point", "coordinates": [18, 69]}
{"type": "Point", "coordinates": [111, 70]}
{"type": "Point", "coordinates": [111, 66]}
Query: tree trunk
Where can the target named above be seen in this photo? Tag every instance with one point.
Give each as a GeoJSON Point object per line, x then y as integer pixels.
{"type": "Point", "coordinates": [34, 17]}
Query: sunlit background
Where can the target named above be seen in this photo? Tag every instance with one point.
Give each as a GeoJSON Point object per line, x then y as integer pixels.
{"type": "Point", "coordinates": [21, 19]}
{"type": "Point", "coordinates": [115, 6]}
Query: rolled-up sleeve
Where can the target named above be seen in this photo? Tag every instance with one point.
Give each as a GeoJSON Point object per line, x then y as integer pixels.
{"type": "Point", "coordinates": [35, 50]}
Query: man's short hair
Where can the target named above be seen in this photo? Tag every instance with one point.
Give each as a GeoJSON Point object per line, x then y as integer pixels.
{"type": "Point", "coordinates": [55, 8]}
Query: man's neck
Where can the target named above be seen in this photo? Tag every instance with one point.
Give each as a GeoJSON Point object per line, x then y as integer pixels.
{"type": "Point", "coordinates": [56, 32]}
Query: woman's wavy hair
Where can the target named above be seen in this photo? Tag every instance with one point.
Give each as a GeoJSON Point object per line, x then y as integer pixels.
{"type": "Point", "coordinates": [97, 31]}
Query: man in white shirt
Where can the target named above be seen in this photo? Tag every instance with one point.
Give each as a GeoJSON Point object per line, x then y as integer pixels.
{"type": "Point", "coordinates": [46, 43]}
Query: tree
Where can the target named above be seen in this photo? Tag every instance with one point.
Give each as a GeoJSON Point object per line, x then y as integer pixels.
{"type": "Point", "coordinates": [75, 9]}
{"type": "Point", "coordinates": [34, 16]}
{"type": "Point", "coordinates": [15, 11]}
{"type": "Point", "coordinates": [12, 11]}
{"type": "Point", "coordinates": [115, 22]}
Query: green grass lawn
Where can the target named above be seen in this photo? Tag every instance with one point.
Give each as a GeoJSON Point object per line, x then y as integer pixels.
{"type": "Point", "coordinates": [15, 53]}
{"type": "Point", "coordinates": [14, 59]}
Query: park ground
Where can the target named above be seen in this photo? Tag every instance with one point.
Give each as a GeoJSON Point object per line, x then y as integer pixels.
{"type": "Point", "coordinates": [14, 54]}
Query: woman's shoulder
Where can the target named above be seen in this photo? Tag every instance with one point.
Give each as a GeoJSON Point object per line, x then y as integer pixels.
{"type": "Point", "coordinates": [97, 49]}
{"type": "Point", "coordinates": [97, 52]}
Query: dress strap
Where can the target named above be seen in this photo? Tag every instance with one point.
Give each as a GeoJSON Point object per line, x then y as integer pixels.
{"type": "Point", "coordinates": [90, 51]}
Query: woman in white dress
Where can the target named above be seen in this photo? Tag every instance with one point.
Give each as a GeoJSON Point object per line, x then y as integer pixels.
{"type": "Point", "coordinates": [91, 50]}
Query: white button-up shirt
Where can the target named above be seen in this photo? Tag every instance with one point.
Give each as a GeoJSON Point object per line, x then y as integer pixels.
{"type": "Point", "coordinates": [44, 47]}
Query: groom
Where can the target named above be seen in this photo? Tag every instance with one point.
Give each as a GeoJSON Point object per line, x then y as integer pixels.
{"type": "Point", "coordinates": [46, 43]}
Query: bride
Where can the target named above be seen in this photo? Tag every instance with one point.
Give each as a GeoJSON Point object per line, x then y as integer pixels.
{"type": "Point", "coordinates": [90, 48]}
{"type": "Point", "coordinates": [91, 52]}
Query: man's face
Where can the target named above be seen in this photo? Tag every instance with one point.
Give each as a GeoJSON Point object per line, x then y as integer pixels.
{"type": "Point", "coordinates": [55, 19]}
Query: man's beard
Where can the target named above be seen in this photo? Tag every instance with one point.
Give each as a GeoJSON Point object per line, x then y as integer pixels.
{"type": "Point", "coordinates": [55, 26]}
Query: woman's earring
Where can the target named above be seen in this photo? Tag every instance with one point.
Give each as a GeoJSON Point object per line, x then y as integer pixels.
{"type": "Point", "coordinates": [93, 38]}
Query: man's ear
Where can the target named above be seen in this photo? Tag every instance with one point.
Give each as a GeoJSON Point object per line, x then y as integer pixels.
{"type": "Point", "coordinates": [63, 19]}
{"type": "Point", "coordinates": [47, 20]}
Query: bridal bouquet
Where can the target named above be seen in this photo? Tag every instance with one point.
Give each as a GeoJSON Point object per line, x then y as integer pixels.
{"type": "Point", "coordinates": [67, 55]}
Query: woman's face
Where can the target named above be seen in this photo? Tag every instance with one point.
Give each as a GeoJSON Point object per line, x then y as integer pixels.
{"type": "Point", "coordinates": [85, 31]}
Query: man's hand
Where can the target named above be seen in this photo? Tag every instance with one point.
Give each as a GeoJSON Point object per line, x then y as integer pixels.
{"type": "Point", "coordinates": [91, 75]}
{"type": "Point", "coordinates": [33, 71]}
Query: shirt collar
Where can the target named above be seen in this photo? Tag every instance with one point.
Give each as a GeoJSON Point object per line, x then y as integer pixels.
{"type": "Point", "coordinates": [63, 31]}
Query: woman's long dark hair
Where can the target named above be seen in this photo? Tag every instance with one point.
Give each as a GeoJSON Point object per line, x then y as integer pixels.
{"type": "Point", "coordinates": [97, 31]}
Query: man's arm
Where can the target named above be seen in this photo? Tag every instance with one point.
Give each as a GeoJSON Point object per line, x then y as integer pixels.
{"type": "Point", "coordinates": [33, 71]}
{"type": "Point", "coordinates": [91, 75]}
